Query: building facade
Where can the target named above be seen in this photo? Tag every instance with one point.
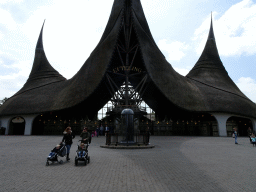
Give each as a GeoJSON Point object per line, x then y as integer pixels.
{"type": "Point", "coordinates": [127, 68]}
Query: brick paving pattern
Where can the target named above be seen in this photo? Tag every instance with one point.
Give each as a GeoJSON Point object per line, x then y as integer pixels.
{"type": "Point", "coordinates": [175, 164]}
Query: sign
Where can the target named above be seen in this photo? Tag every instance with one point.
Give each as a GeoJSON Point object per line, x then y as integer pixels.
{"type": "Point", "coordinates": [18, 120]}
{"type": "Point", "coordinates": [127, 68]}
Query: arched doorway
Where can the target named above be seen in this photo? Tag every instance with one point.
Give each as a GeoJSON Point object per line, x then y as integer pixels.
{"type": "Point", "coordinates": [17, 126]}
{"type": "Point", "coordinates": [242, 124]}
{"type": "Point", "coordinates": [38, 126]}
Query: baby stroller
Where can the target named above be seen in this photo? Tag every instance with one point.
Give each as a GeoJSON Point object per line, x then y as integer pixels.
{"type": "Point", "coordinates": [61, 152]}
{"type": "Point", "coordinates": [84, 156]}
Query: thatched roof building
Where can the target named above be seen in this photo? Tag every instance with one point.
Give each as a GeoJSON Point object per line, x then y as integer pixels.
{"type": "Point", "coordinates": [207, 88]}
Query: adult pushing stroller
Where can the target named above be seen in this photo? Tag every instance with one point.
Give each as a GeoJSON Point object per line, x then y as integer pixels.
{"type": "Point", "coordinates": [82, 153]}
{"type": "Point", "coordinates": [59, 151]}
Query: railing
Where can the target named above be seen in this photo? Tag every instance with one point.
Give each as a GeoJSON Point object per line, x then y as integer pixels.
{"type": "Point", "coordinates": [120, 107]}
{"type": "Point", "coordinates": [115, 139]}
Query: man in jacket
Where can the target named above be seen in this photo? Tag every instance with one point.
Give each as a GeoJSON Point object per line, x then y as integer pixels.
{"type": "Point", "coordinates": [85, 136]}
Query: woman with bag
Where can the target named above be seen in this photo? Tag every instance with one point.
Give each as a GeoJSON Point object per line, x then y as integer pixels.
{"type": "Point", "coordinates": [67, 138]}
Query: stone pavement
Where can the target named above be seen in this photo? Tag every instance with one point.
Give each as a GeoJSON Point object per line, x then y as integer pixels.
{"type": "Point", "coordinates": [175, 164]}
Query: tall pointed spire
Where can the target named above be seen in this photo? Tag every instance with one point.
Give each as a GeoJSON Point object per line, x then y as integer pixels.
{"type": "Point", "coordinates": [209, 69]}
{"type": "Point", "coordinates": [39, 44]}
{"type": "Point", "coordinates": [210, 57]}
{"type": "Point", "coordinates": [211, 34]}
{"type": "Point", "coordinates": [42, 72]}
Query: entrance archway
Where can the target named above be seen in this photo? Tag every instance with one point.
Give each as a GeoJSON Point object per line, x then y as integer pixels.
{"type": "Point", "coordinates": [38, 126]}
{"type": "Point", "coordinates": [17, 126]}
{"type": "Point", "coordinates": [242, 124]}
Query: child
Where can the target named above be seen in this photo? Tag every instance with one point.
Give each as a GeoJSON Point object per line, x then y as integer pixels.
{"type": "Point", "coordinates": [81, 150]}
{"type": "Point", "coordinates": [54, 151]}
{"type": "Point", "coordinates": [253, 139]}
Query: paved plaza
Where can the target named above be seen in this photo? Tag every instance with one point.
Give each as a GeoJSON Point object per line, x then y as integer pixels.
{"type": "Point", "coordinates": [175, 164]}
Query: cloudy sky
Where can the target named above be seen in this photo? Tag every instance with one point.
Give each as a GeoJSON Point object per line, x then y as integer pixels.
{"type": "Point", "coordinates": [73, 29]}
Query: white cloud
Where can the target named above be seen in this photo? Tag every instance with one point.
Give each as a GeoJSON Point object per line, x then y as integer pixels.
{"type": "Point", "coordinates": [7, 20]}
{"type": "Point", "coordinates": [12, 82]}
{"type": "Point", "coordinates": [248, 86]}
{"type": "Point", "coordinates": [1, 36]}
{"type": "Point", "coordinates": [174, 49]}
{"type": "Point", "coordinates": [156, 10]}
{"type": "Point", "coordinates": [182, 71]}
{"type": "Point", "coordinates": [235, 30]}
{"type": "Point", "coordinates": [10, 1]}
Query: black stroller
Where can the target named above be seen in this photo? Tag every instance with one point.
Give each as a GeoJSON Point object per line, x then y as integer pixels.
{"type": "Point", "coordinates": [84, 156]}
{"type": "Point", "coordinates": [61, 152]}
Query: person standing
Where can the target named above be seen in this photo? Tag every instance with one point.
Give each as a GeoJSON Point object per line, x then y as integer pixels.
{"type": "Point", "coordinates": [106, 130]}
{"type": "Point", "coordinates": [249, 133]}
{"type": "Point", "coordinates": [85, 136]}
{"type": "Point", "coordinates": [235, 133]}
{"type": "Point", "coordinates": [67, 138]}
{"type": "Point", "coordinates": [97, 131]}
{"type": "Point", "coordinates": [101, 129]}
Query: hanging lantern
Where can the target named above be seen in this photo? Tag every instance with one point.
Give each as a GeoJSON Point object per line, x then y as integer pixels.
{"type": "Point", "coordinates": [54, 122]}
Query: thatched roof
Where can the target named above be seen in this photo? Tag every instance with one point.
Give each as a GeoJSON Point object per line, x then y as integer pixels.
{"type": "Point", "coordinates": [207, 87]}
